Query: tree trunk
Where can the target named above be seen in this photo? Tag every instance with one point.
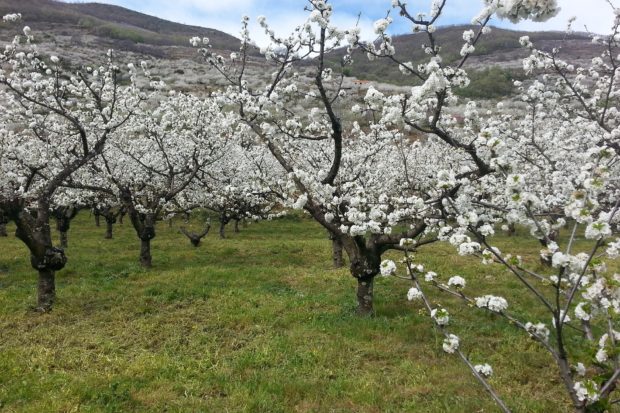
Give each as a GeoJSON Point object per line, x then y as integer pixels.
{"type": "Point", "coordinates": [236, 225]}
{"type": "Point", "coordinates": [44, 257]}
{"type": "Point", "coordinates": [365, 296]}
{"type": "Point", "coordinates": [512, 229]}
{"type": "Point", "coordinates": [46, 290]}
{"type": "Point", "coordinates": [97, 219]}
{"type": "Point", "coordinates": [337, 257]}
{"type": "Point", "coordinates": [144, 224]}
{"type": "Point", "coordinates": [170, 223]}
{"type": "Point", "coordinates": [64, 240]}
{"type": "Point", "coordinates": [222, 226]}
{"type": "Point", "coordinates": [108, 229]}
{"type": "Point", "coordinates": [3, 221]}
{"type": "Point", "coordinates": [365, 259]}
{"type": "Point", "coordinates": [145, 253]}
{"type": "Point", "coordinates": [64, 216]}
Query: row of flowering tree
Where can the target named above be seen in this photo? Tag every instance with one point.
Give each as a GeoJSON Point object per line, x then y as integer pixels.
{"type": "Point", "coordinates": [71, 139]}
{"type": "Point", "coordinates": [410, 177]}
{"type": "Point", "coordinates": [53, 124]}
{"type": "Point", "coordinates": [367, 184]}
{"type": "Point", "coordinates": [552, 168]}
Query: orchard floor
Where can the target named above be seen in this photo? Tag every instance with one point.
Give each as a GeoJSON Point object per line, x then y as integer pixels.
{"type": "Point", "coordinates": [257, 322]}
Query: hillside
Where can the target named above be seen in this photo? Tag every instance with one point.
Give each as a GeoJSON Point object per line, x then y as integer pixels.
{"type": "Point", "coordinates": [112, 25]}
{"type": "Point", "coordinates": [81, 31]}
{"type": "Point", "coordinates": [496, 61]}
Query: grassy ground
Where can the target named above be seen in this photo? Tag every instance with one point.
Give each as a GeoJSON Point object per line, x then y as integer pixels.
{"type": "Point", "coordinates": [258, 322]}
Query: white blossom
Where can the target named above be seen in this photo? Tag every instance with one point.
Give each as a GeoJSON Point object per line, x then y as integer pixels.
{"type": "Point", "coordinates": [451, 344]}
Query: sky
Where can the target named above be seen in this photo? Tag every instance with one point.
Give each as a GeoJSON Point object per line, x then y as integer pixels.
{"type": "Point", "coordinates": [284, 15]}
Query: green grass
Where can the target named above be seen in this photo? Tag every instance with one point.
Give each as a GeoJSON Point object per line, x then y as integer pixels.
{"type": "Point", "coordinates": [258, 322]}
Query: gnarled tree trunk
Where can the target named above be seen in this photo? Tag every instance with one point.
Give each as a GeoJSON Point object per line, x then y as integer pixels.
{"type": "Point", "coordinates": [195, 237]}
{"type": "Point", "coordinates": [145, 253]}
{"type": "Point", "coordinates": [64, 239]}
{"type": "Point", "coordinates": [365, 295]}
{"type": "Point", "coordinates": [365, 258]}
{"type": "Point", "coordinates": [64, 216]}
{"type": "Point", "coordinates": [109, 214]}
{"type": "Point", "coordinates": [3, 232]}
{"type": "Point", "coordinates": [512, 229]}
{"type": "Point", "coordinates": [46, 289]}
{"type": "Point", "coordinates": [337, 257]}
{"type": "Point", "coordinates": [109, 229]}
{"type": "Point", "coordinates": [223, 221]}
{"type": "Point", "coordinates": [4, 219]}
{"type": "Point", "coordinates": [97, 217]}
{"type": "Point", "coordinates": [144, 224]}
{"type": "Point", "coordinates": [44, 257]}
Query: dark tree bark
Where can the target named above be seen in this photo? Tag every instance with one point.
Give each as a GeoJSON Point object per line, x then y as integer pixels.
{"type": "Point", "coordinates": [194, 237]}
{"type": "Point", "coordinates": [144, 224]}
{"type": "Point", "coordinates": [4, 219]}
{"type": "Point", "coordinates": [64, 216]}
{"type": "Point", "coordinates": [64, 239]}
{"type": "Point", "coordinates": [109, 229]}
{"type": "Point", "coordinates": [365, 258]}
{"type": "Point", "coordinates": [337, 257]}
{"type": "Point", "coordinates": [97, 217]}
{"type": "Point", "coordinates": [236, 225]}
{"type": "Point", "coordinates": [223, 221]}
{"type": "Point", "coordinates": [34, 231]}
{"type": "Point", "coordinates": [46, 290]}
{"type": "Point", "coordinates": [145, 253]}
{"type": "Point", "coordinates": [512, 229]}
{"type": "Point", "coordinates": [110, 215]}
{"type": "Point", "coordinates": [365, 295]}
